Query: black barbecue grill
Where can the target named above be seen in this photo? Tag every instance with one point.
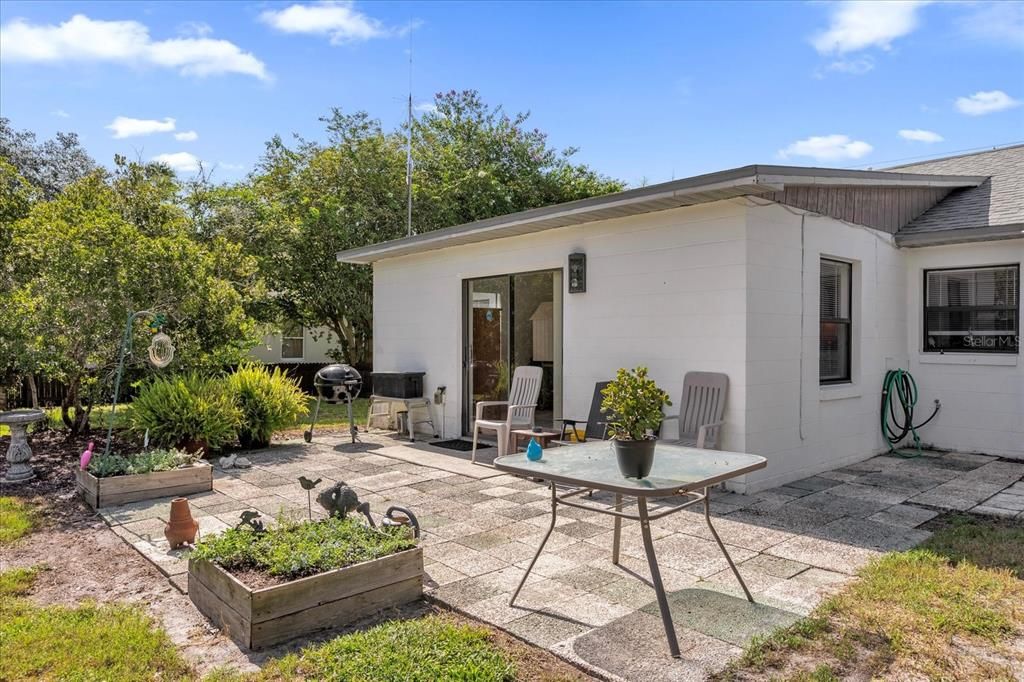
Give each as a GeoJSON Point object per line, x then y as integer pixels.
{"type": "Point", "coordinates": [336, 384]}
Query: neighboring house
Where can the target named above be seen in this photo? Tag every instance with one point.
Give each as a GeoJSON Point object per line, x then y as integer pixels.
{"type": "Point", "coordinates": [803, 285]}
{"type": "Point", "coordinates": [296, 345]}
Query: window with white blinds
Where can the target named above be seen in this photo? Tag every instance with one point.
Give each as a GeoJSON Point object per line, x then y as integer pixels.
{"type": "Point", "coordinates": [972, 310]}
{"type": "Point", "coordinates": [836, 277]}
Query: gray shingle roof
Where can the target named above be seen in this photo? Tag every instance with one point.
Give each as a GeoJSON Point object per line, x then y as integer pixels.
{"type": "Point", "coordinates": [997, 202]}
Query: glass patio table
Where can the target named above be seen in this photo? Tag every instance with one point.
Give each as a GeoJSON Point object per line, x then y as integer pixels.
{"type": "Point", "coordinates": [678, 471]}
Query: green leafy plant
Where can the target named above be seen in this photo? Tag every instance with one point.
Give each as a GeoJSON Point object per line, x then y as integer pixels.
{"type": "Point", "coordinates": [269, 401]}
{"type": "Point", "coordinates": [188, 411]}
{"type": "Point", "coordinates": [633, 403]}
{"type": "Point", "coordinates": [103, 466]}
{"type": "Point", "coordinates": [292, 550]}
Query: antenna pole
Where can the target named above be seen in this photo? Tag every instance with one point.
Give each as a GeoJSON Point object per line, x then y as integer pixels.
{"type": "Point", "coordinates": [408, 152]}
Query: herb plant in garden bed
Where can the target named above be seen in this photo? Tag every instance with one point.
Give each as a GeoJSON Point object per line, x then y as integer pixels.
{"type": "Point", "coordinates": [115, 479]}
{"type": "Point", "coordinates": [297, 578]}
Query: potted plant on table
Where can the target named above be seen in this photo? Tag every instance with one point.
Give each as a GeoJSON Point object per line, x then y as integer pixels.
{"type": "Point", "coordinates": [633, 403]}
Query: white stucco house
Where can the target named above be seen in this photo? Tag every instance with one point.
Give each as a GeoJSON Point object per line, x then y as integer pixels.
{"type": "Point", "coordinates": [803, 285]}
{"type": "Point", "coordinates": [296, 344]}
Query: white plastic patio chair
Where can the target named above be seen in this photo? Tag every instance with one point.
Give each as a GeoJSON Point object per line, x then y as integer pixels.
{"type": "Point", "coordinates": [522, 404]}
{"type": "Point", "coordinates": [701, 409]}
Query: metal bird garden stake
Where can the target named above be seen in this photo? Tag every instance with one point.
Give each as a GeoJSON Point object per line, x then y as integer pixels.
{"type": "Point", "coordinates": [308, 486]}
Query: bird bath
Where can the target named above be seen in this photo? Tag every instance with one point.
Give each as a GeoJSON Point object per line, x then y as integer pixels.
{"type": "Point", "coordinates": [18, 452]}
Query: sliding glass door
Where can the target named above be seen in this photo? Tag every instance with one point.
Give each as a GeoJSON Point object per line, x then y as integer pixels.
{"type": "Point", "coordinates": [510, 321]}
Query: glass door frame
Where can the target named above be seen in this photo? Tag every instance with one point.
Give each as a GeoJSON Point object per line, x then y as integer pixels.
{"type": "Point", "coordinates": [558, 299]}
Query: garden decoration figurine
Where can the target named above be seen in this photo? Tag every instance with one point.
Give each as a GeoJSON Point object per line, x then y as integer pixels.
{"type": "Point", "coordinates": [399, 517]}
{"type": "Point", "coordinates": [83, 461]}
{"type": "Point", "coordinates": [161, 352]}
{"type": "Point", "coordinates": [340, 499]}
{"type": "Point", "coordinates": [252, 520]}
{"type": "Point", "coordinates": [181, 528]}
{"type": "Point", "coordinates": [308, 486]}
{"type": "Point", "coordinates": [234, 461]}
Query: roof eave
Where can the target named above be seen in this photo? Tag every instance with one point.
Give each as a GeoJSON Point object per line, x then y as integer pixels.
{"type": "Point", "coordinates": [743, 181]}
{"type": "Point", "coordinates": [964, 235]}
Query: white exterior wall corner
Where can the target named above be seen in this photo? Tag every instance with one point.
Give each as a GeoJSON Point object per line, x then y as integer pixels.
{"type": "Point", "coordinates": [664, 289]}
{"type": "Point", "coordinates": [800, 426]}
{"type": "Point", "coordinates": [982, 395]}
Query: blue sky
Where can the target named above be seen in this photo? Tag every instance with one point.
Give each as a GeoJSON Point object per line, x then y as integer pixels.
{"type": "Point", "coordinates": [647, 91]}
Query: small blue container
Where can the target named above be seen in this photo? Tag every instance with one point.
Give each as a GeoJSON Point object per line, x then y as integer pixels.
{"type": "Point", "coordinates": [534, 451]}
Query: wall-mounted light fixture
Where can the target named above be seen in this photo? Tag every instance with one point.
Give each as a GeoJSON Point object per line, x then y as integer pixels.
{"type": "Point", "coordinates": [577, 273]}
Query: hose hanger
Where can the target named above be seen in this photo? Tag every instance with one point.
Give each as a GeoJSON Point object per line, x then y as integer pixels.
{"type": "Point", "coordinates": [899, 398]}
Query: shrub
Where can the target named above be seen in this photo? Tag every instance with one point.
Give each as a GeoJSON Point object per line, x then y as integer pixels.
{"type": "Point", "coordinates": [188, 411]}
{"type": "Point", "coordinates": [292, 550]}
{"type": "Point", "coordinates": [142, 463]}
{"type": "Point", "coordinates": [633, 403]}
{"type": "Point", "coordinates": [269, 401]}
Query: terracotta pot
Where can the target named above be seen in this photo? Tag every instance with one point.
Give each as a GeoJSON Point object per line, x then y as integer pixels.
{"type": "Point", "coordinates": [181, 528]}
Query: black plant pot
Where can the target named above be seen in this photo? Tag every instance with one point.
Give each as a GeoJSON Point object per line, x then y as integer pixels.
{"type": "Point", "coordinates": [635, 457]}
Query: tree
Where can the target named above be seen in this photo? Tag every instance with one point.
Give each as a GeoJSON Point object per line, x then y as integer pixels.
{"type": "Point", "coordinates": [49, 166]}
{"type": "Point", "coordinates": [82, 265]}
{"type": "Point", "coordinates": [307, 202]}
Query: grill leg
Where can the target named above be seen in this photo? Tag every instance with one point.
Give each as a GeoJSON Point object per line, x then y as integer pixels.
{"type": "Point", "coordinates": [353, 429]}
{"type": "Point", "coordinates": [308, 435]}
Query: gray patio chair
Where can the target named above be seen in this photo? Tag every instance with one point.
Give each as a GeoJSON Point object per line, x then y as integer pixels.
{"type": "Point", "coordinates": [701, 409]}
{"type": "Point", "coordinates": [597, 422]}
{"type": "Point", "coordinates": [523, 394]}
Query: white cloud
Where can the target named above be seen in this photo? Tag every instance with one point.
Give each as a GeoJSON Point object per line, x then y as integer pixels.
{"type": "Point", "coordinates": [83, 39]}
{"type": "Point", "coordinates": [124, 126]}
{"type": "Point", "coordinates": [999, 22]}
{"type": "Point", "coordinates": [60, 113]}
{"type": "Point", "coordinates": [182, 162]}
{"type": "Point", "coordinates": [918, 135]}
{"type": "Point", "coordinates": [338, 20]}
{"type": "Point", "coordinates": [186, 136]}
{"type": "Point", "coordinates": [860, 24]}
{"type": "Point", "coordinates": [827, 148]}
{"type": "Point", "coordinates": [856, 67]}
{"type": "Point", "coordinates": [426, 107]}
{"type": "Point", "coordinates": [985, 102]}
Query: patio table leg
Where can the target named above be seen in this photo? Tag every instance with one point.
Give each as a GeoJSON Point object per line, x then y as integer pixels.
{"type": "Point", "coordinates": [618, 530]}
{"type": "Point", "coordinates": [554, 507]}
{"type": "Point", "coordinates": [659, 588]}
{"type": "Point", "coordinates": [721, 545]}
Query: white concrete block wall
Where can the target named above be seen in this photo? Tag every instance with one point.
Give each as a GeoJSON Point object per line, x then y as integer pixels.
{"type": "Point", "coordinates": [729, 287]}
{"type": "Point", "coordinates": [665, 289]}
{"type": "Point", "coordinates": [982, 394]}
{"type": "Point", "coordinates": [802, 427]}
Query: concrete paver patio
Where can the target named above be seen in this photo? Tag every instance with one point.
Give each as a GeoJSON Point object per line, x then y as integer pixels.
{"type": "Point", "coordinates": [793, 544]}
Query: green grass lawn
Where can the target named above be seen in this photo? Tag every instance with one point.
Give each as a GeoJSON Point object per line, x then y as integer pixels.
{"type": "Point", "coordinates": [17, 519]}
{"type": "Point", "coordinates": [108, 642]}
{"type": "Point", "coordinates": [421, 650]}
{"type": "Point", "coordinates": [945, 610]}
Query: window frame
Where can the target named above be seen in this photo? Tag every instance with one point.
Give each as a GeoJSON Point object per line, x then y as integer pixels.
{"type": "Point", "coordinates": [845, 323]}
{"type": "Point", "coordinates": [925, 307]}
{"type": "Point", "coordinates": [301, 338]}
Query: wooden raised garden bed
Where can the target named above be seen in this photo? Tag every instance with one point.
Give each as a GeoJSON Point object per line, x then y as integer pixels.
{"type": "Point", "coordinates": [111, 490]}
{"type": "Point", "coordinates": [262, 617]}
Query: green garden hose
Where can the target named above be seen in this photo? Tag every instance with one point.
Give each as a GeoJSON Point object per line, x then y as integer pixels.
{"type": "Point", "coordinates": [899, 388]}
